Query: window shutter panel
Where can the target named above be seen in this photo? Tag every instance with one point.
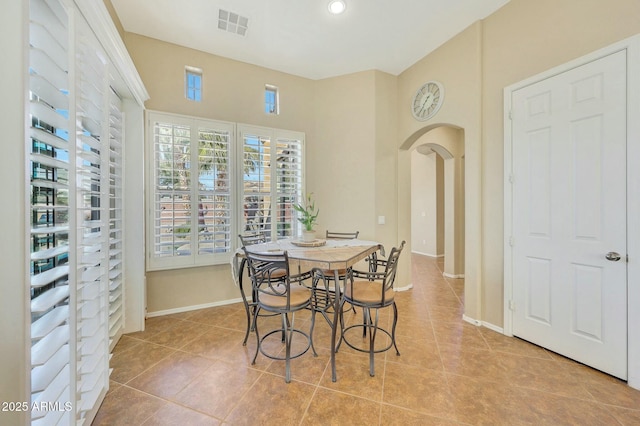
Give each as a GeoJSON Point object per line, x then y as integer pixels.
{"type": "Point", "coordinates": [191, 191]}
{"type": "Point", "coordinates": [288, 190]}
{"type": "Point", "coordinates": [116, 244]}
{"type": "Point", "coordinates": [92, 220]}
{"type": "Point", "coordinates": [214, 191]}
{"type": "Point", "coordinates": [272, 181]}
{"type": "Point", "coordinates": [76, 287]}
{"type": "Point", "coordinates": [256, 184]}
{"type": "Point", "coordinates": [49, 192]}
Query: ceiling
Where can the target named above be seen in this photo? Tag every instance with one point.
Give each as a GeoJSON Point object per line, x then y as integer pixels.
{"type": "Point", "coordinates": [300, 37]}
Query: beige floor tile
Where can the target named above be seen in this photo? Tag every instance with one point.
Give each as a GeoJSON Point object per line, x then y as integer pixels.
{"type": "Point", "coordinates": [392, 416]}
{"type": "Point", "coordinates": [545, 375]}
{"type": "Point", "coordinates": [173, 414]}
{"type": "Point", "coordinates": [135, 360]}
{"type": "Point", "coordinates": [609, 390]}
{"type": "Point", "coordinates": [526, 406]}
{"type": "Point", "coordinates": [481, 402]}
{"type": "Point", "coordinates": [126, 342]}
{"type": "Point", "coordinates": [415, 327]}
{"type": "Point", "coordinates": [625, 416]}
{"type": "Point", "coordinates": [459, 334]}
{"type": "Point", "coordinates": [192, 369]}
{"type": "Point", "coordinates": [418, 389]}
{"type": "Point", "coordinates": [306, 368]}
{"type": "Point", "coordinates": [155, 325]}
{"type": "Point", "coordinates": [353, 377]}
{"type": "Point", "coordinates": [125, 406]}
{"type": "Point", "coordinates": [179, 334]}
{"type": "Point", "coordinates": [218, 389]}
{"type": "Point", "coordinates": [172, 374]}
{"type": "Point", "coordinates": [271, 401]}
{"type": "Point", "coordinates": [501, 343]}
{"type": "Point", "coordinates": [335, 408]}
{"type": "Point", "coordinates": [472, 361]}
{"type": "Point", "coordinates": [417, 352]}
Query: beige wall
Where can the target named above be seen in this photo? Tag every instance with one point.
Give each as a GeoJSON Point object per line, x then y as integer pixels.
{"type": "Point", "coordinates": [114, 17]}
{"type": "Point", "coordinates": [357, 120]}
{"type": "Point", "coordinates": [457, 65]}
{"type": "Point", "coordinates": [448, 143]}
{"type": "Point", "coordinates": [232, 91]}
{"type": "Point", "coordinates": [350, 128]}
{"type": "Point", "coordinates": [426, 181]}
{"type": "Point", "coordinates": [338, 160]}
{"type": "Point", "coordinates": [520, 40]}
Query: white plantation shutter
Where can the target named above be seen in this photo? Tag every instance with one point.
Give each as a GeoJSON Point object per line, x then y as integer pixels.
{"type": "Point", "coordinates": [256, 183]}
{"type": "Point", "coordinates": [191, 191]}
{"type": "Point", "coordinates": [116, 231]}
{"type": "Point", "coordinates": [92, 155]}
{"type": "Point", "coordinates": [49, 143]}
{"type": "Point", "coordinates": [288, 185]}
{"type": "Point", "coordinates": [272, 180]}
{"type": "Point", "coordinates": [214, 191]}
{"type": "Point", "coordinates": [76, 235]}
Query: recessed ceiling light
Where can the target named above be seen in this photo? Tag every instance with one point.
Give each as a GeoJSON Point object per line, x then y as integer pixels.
{"type": "Point", "coordinates": [336, 7]}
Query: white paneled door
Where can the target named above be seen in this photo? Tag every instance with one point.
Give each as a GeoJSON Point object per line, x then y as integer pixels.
{"type": "Point", "coordinates": [569, 213]}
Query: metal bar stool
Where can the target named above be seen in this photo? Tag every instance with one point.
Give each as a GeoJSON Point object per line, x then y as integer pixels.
{"type": "Point", "coordinates": [275, 293]}
{"type": "Point", "coordinates": [374, 291]}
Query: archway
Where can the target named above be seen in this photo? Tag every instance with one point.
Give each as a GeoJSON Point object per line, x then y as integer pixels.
{"type": "Point", "coordinates": [437, 196]}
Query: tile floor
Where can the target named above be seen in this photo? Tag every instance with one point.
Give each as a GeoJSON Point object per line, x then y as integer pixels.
{"type": "Point", "coordinates": [191, 369]}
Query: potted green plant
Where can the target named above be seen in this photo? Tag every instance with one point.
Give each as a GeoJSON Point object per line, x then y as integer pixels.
{"type": "Point", "coordinates": [308, 217]}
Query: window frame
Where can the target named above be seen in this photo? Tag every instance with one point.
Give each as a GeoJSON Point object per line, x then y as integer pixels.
{"type": "Point", "coordinates": [236, 188]}
{"type": "Point", "coordinates": [275, 136]}
{"type": "Point", "coordinates": [192, 258]}
{"type": "Point", "coordinates": [270, 88]}
{"type": "Point", "coordinates": [198, 91]}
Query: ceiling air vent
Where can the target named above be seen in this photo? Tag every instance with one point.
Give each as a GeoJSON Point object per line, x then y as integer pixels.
{"type": "Point", "coordinates": [232, 22]}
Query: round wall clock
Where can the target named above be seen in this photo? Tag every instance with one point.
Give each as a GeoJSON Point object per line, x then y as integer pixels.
{"type": "Point", "coordinates": [427, 100]}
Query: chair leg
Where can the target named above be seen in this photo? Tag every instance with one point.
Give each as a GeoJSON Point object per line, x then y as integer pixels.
{"type": "Point", "coordinates": [288, 333]}
{"type": "Point", "coordinates": [284, 329]}
{"type": "Point", "coordinates": [393, 328]}
{"type": "Point", "coordinates": [365, 320]}
{"type": "Point", "coordinates": [313, 323]}
{"type": "Point", "coordinates": [341, 319]}
{"type": "Point", "coordinates": [372, 339]}
{"type": "Point", "coordinates": [255, 327]}
{"type": "Point", "coordinates": [246, 334]}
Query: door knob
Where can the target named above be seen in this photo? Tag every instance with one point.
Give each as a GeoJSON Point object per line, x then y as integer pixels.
{"type": "Point", "coordinates": [613, 256]}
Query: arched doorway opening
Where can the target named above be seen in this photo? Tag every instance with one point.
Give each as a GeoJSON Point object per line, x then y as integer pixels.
{"type": "Point", "coordinates": [437, 197]}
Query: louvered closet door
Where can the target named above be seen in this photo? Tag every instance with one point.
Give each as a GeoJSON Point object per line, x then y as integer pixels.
{"type": "Point", "coordinates": [49, 143]}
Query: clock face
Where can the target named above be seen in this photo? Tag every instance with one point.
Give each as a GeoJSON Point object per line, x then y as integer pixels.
{"type": "Point", "coordinates": [427, 100]}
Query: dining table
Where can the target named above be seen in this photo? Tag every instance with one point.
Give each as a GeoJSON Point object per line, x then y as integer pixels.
{"type": "Point", "coordinates": [326, 254]}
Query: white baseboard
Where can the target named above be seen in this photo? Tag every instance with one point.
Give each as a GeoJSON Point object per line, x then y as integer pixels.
{"type": "Point", "coordinates": [427, 254]}
{"type": "Point", "coordinates": [493, 327]}
{"type": "Point", "coordinates": [405, 288]}
{"type": "Point", "coordinates": [446, 275]}
{"type": "Point", "coordinates": [192, 308]}
{"type": "Point", "coordinates": [483, 324]}
{"type": "Point", "coordinates": [471, 320]}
